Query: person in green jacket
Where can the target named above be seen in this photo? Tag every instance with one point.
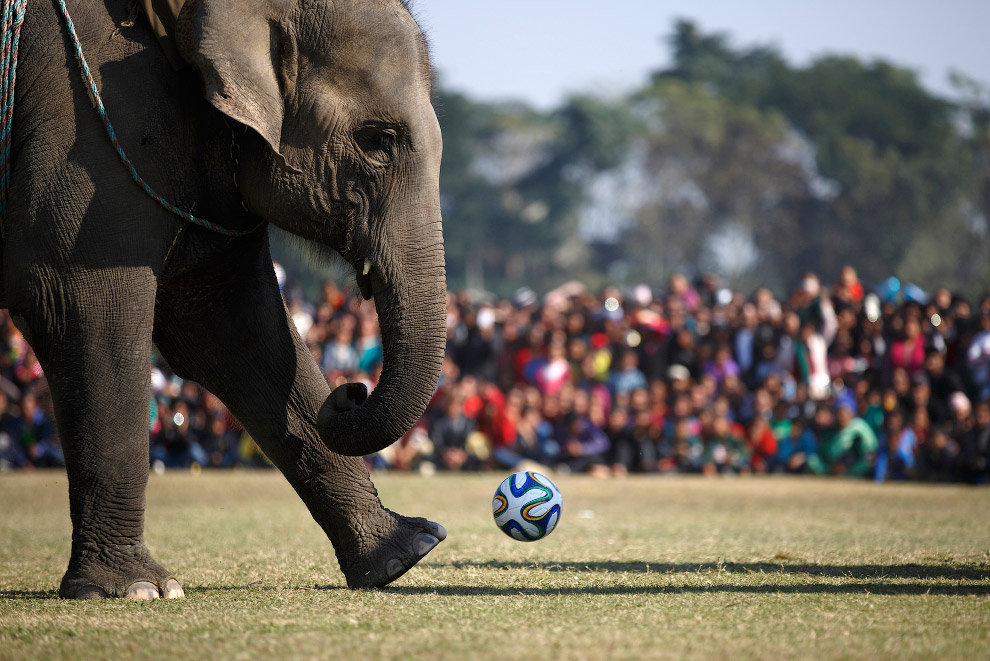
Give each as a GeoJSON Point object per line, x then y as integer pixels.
{"type": "Point", "coordinates": [849, 448]}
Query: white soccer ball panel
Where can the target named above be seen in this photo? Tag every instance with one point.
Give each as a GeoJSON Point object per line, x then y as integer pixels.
{"type": "Point", "coordinates": [529, 527]}
{"type": "Point", "coordinates": [541, 509]}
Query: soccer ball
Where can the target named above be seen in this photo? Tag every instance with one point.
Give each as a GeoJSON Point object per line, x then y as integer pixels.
{"type": "Point", "coordinates": [526, 506]}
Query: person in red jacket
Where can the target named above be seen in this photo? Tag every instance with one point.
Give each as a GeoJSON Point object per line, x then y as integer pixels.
{"type": "Point", "coordinates": [762, 444]}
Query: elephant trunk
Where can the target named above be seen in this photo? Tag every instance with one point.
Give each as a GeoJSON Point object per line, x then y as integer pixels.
{"type": "Point", "coordinates": [412, 315]}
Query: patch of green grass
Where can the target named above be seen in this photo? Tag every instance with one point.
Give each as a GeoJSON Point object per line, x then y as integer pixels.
{"type": "Point", "coordinates": [637, 568]}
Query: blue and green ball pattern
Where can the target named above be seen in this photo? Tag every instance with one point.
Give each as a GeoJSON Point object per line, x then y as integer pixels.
{"type": "Point", "coordinates": [527, 506]}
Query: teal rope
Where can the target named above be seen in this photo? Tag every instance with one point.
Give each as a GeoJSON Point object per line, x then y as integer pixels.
{"type": "Point", "coordinates": [102, 112]}
{"type": "Point", "coordinates": [10, 32]}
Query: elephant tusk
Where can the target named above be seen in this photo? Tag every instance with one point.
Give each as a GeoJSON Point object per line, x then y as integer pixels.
{"type": "Point", "coordinates": [367, 267]}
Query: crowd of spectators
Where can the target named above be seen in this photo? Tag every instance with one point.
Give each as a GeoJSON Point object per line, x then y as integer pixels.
{"type": "Point", "coordinates": [889, 383]}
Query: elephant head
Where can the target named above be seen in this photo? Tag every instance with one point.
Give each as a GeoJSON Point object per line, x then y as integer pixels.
{"type": "Point", "coordinates": [343, 149]}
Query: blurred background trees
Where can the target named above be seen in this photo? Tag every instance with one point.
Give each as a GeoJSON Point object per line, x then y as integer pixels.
{"type": "Point", "coordinates": [731, 161]}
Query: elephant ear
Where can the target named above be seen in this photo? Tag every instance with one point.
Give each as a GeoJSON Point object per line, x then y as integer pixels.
{"type": "Point", "coordinates": [238, 48]}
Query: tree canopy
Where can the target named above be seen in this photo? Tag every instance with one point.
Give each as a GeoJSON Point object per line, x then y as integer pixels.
{"type": "Point", "coordinates": [731, 160]}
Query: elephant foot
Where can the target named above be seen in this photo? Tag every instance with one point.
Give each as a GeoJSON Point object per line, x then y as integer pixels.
{"type": "Point", "coordinates": [129, 572]}
{"type": "Point", "coordinates": [395, 554]}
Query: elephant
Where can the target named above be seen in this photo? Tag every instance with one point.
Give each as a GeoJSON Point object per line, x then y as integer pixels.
{"type": "Point", "coordinates": [314, 116]}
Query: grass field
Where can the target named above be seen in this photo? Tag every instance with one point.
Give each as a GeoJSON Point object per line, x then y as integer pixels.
{"type": "Point", "coordinates": [638, 568]}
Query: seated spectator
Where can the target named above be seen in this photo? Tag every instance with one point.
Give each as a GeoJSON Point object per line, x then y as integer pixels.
{"type": "Point", "coordinates": [220, 443]}
{"type": "Point", "coordinates": [555, 372]}
{"type": "Point", "coordinates": [584, 448]}
{"type": "Point", "coordinates": [897, 443]}
{"type": "Point", "coordinates": [12, 451]}
{"type": "Point", "coordinates": [722, 365]}
{"type": "Point", "coordinates": [449, 435]}
{"type": "Point", "coordinates": [937, 458]}
{"type": "Point", "coordinates": [767, 365]}
{"type": "Point", "coordinates": [811, 354]}
{"type": "Point", "coordinates": [780, 420]}
{"type": "Point", "coordinates": [175, 444]}
{"type": "Point", "coordinates": [682, 291]}
{"type": "Point", "coordinates": [908, 351]}
{"type": "Point", "coordinates": [682, 352]}
{"type": "Point", "coordinates": [850, 282]}
{"type": "Point", "coordinates": [724, 452]}
{"type": "Point", "coordinates": [795, 449]}
{"type": "Point", "coordinates": [744, 340]}
{"type": "Point", "coordinates": [761, 445]}
{"type": "Point", "coordinates": [37, 431]}
{"type": "Point", "coordinates": [632, 447]}
{"type": "Point", "coordinates": [961, 410]}
{"type": "Point", "coordinates": [27, 369]}
{"type": "Point", "coordinates": [497, 426]}
{"type": "Point", "coordinates": [875, 410]}
{"type": "Point", "coordinates": [846, 448]}
{"type": "Point", "coordinates": [978, 358]}
{"type": "Point", "coordinates": [535, 444]}
{"type": "Point", "coordinates": [943, 382]}
{"type": "Point", "coordinates": [476, 353]}
{"type": "Point", "coordinates": [974, 459]}
{"type": "Point", "coordinates": [340, 355]}
{"type": "Point", "coordinates": [414, 451]}
{"type": "Point", "coordinates": [628, 377]}
{"type": "Point", "coordinates": [900, 385]}
{"type": "Point", "coordinates": [369, 345]}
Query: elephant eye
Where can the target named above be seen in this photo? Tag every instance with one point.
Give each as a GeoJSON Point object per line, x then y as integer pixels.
{"type": "Point", "coordinates": [377, 143]}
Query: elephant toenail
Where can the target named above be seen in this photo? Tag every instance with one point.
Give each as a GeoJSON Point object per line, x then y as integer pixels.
{"type": "Point", "coordinates": [173, 590]}
{"type": "Point", "coordinates": [91, 592]}
{"type": "Point", "coordinates": [142, 590]}
{"type": "Point", "coordinates": [394, 568]}
{"type": "Point", "coordinates": [423, 543]}
{"type": "Point", "coordinates": [438, 531]}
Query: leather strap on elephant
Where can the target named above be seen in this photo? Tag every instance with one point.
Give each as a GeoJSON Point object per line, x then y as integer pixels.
{"type": "Point", "coordinates": [10, 29]}
{"type": "Point", "coordinates": [162, 16]}
{"type": "Point", "coordinates": [94, 94]}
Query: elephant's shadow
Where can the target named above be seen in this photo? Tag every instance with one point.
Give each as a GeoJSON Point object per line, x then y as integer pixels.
{"type": "Point", "coordinates": [873, 579]}
{"type": "Point", "coordinates": [862, 579]}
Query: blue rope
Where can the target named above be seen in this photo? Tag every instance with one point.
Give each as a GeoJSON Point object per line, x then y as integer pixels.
{"type": "Point", "coordinates": [102, 112]}
{"type": "Point", "coordinates": [10, 31]}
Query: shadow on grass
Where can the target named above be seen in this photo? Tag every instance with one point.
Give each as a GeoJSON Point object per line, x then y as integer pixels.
{"type": "Point", "coordinates": [875, 575]}
{"type": "Point", "coordinates": [250, 587]}
{"type": "Point", "coordinates": [872, 587]}
{"type": "Point", "coordinates": [28, 594]}
{"type": "Point", "coordinates": [811, 588]}
{"type": "Point", "coordinates": [952, 572]}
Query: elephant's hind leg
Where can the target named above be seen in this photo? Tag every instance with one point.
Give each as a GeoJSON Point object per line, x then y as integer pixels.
{"type": "Point", "coordinates": [92, 334]}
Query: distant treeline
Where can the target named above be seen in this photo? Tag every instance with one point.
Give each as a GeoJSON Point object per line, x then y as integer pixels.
{"type": "Point", "coordinates": [732, 161]}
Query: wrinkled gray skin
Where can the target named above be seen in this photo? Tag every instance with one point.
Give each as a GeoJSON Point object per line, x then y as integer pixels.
{"type": "Point", "coordinates": [342, 148]}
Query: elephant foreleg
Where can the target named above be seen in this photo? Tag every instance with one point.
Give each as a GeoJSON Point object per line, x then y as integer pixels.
{"type": "Point", "coordinates": [240, 344]}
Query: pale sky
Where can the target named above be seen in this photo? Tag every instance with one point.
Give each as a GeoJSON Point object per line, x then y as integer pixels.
{"type": "Point", "coordinates": [539, 50]}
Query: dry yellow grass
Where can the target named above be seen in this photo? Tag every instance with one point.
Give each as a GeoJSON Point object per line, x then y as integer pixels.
{"type": "Point", "coordinates": [638, 568]}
